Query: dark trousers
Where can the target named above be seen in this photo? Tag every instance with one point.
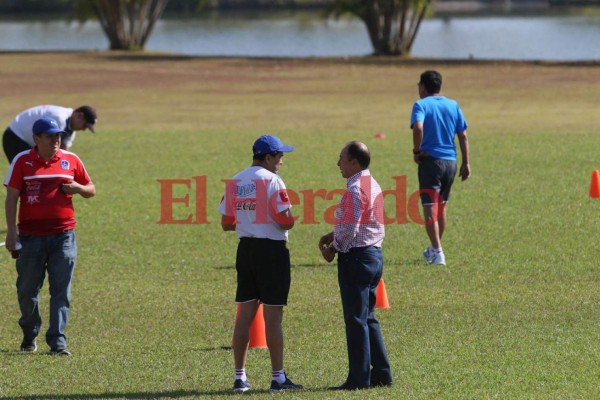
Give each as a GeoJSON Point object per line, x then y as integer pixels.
{"type": "Point", "coordinates": [13, 145]}
{"type": "Point", "coordinates": [359, 272]}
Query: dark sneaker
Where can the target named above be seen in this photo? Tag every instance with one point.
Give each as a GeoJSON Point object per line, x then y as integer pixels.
{"type": "Point", "coordinates": [28, 346]}
{"type": "Point", "coordinates": [287, 385]}
{"type": "Point", "coordinates": [60, 351]}
{"type": "Point", "coordinates": [240, 386]}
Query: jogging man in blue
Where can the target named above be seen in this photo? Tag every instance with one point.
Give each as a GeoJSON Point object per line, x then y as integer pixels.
{"type": "Point", "coordinates": [435, 120]}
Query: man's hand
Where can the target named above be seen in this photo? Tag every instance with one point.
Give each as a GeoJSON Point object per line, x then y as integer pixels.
{"type": "Point", "coordinates": [326, 247]}
{"type": "Point", "coordinates": [228, 222]}
{"type": "Point", "coordinates": [328, 253]}
{"type": "Point", "coordinates": [465, 171]}
{"type": "Point", "coordinates": [418, 156]}
{"type": "Point", "coordinates": [71, 187]}
{"type": "Point", "coordinates": [326, 240]}
{"type": "Point", "coordinates": [11, 241]}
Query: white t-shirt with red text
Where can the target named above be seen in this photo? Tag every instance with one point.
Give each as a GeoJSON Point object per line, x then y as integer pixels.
{"type": "Point", "coordinates": [255, 197]}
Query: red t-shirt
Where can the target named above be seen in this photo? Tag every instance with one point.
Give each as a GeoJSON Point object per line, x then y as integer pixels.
{"type": "Point", "coordinates": [44, 209]}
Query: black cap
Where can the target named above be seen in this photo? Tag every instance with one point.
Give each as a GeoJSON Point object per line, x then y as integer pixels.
{"type": "Point", "coordinates": [89, 113]}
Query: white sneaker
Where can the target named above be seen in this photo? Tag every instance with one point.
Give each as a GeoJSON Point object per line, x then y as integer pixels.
{"type": "Point", "coordinates": [438, 258]}
{"type": "Point", "coordinates": [428, 254]}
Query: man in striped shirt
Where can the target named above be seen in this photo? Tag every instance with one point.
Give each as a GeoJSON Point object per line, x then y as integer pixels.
{"type": "Point", "coordinates": [356, 238]}
{"type": "Point", "coordinates": [43, 181]}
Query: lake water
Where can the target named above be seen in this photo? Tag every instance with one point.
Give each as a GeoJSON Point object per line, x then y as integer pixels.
{"type": "Point", "coordinates": [565, 35]}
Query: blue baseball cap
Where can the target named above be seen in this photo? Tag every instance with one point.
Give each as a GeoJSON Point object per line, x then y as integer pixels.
{"type": "Point", "coordinates": [268, 144]}
{"type": "Point", "coordinates": [46, 125]}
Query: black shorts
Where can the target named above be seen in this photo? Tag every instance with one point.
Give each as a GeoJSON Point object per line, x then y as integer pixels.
{"type": "Point", "coordinates": [263, 271]}
{"type": "Point", "coordinates": [435, 180]}
{"type": "Point", "coordinates": [12, 144]}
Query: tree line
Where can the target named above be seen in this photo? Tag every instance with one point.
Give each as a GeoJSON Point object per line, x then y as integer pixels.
{"type": "Point", "coordinates": [175, 6]}
{"type": "Point", "coordinates": [392, 25]}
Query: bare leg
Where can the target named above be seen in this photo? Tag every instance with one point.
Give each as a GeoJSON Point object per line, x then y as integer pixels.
{"type": "Point", "coordinates": [432, 226]}
{"type": "Point", "coordinates": [441, 220]}
{"type": "Point", "coordinates": [241, 332]}
{"type": "Point", "coordinates": [274, 333]}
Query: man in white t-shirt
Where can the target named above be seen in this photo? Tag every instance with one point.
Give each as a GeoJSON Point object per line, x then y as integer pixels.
{"type": "Point", "coordinates": [18, 136]}
{"type": "Point", "coordinates": [257, 207]}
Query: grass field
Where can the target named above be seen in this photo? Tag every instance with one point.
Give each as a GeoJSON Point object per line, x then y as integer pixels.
{"type": "Point", "coordinates": [514, 315]}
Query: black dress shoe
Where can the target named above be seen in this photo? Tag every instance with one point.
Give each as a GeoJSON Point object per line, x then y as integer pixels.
{"type": "Point", "coordinates": [347, 386]}
{"type": "Point", "coordinates": [380, 379]}
{"type": "Point", "coordinates": [381, 383]}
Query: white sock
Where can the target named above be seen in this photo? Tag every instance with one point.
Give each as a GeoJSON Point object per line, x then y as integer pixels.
{"type": "Point", "coordinates": [438, 250]}
{"type": "Point", "coordinates": [240, 374]}
{"type": "Point", "coordinates": [278, 376]}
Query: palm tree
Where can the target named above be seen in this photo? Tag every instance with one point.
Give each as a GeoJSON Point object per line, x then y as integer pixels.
{"type": "Point", "coordinates": [392, 24]}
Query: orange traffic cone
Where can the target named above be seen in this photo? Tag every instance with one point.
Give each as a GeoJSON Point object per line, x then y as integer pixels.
{"type": "Point", "coordinates": [258, 337]}
{"type": "Point", "coordinates": [381, 299]}
{"type": "Point", "coordinates": [595, 185]}
{"type": "Point", "coordinates": [257, 330]}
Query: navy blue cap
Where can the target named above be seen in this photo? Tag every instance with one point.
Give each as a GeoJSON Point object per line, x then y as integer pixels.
{"type": "Point", "coordinates": [46, 125]}
{"type": "Point", "coordinates": [268, 144]}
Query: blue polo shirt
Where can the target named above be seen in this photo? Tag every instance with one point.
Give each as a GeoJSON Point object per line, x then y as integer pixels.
{"type": "Point", "coordinates": [442, 119]}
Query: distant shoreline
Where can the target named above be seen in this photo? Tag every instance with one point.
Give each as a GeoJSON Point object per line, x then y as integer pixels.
{"type": "Point", "coordinates": [442, 6]}
{"type": "Point", "coordinates": [149, 55]}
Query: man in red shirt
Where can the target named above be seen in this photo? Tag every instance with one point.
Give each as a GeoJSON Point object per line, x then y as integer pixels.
{"type": "Point", "coordinates": [43, 181]}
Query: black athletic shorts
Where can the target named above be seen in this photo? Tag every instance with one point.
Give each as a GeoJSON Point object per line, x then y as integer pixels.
{"type": "Point", "coordinates": [435, 180]}
{"type": "Point", "coordinates": [263, 271]}
{"type": "Point", "coordinates": [12, 144]}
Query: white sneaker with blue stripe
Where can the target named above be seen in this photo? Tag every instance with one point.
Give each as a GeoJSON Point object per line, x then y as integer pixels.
{"type": "Point", "coordinates": [438, 258]}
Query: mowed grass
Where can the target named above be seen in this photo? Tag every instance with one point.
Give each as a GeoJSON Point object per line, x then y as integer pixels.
{"type": "Point", "coordinates": [515, 314]}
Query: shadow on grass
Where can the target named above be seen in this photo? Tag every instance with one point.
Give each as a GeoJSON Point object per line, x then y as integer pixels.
{"type": "Point", "coordinates": [229, 266]}
{"type": "Point", "coordinates": [313, 265]}
{"type": "Point", "coordinates": [18, 353]}
{"type": "Point", "coordinates": [175, 394]}
{"type": "Point", "coordinates": [307, 265]}
{"type": "Point", "coordinates": [142, 395]}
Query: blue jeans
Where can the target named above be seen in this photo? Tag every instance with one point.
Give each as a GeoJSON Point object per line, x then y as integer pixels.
{"type": "Point", "coordinates": [55, 254]}
{"type": "Point", "coordinates": [359, 272]}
